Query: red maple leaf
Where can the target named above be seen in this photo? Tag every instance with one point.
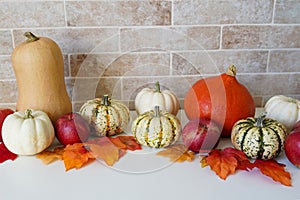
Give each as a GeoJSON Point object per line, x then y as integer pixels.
{"type": "Point", "coordinates": [5, 154]}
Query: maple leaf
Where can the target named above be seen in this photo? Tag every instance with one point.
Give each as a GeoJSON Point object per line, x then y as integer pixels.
{"type": "Point", "coordinates": [126, 142]}
{"type": "Point", "coordinates": [223, 164]}
{"type": "Point", "coordinates": [76, 155]}
{"type": "Point", "coordinates": [177, 153]}
{"type": "Point", "coordinates": [226, 162]}
{"type": "Point", "coordinates": [275, 170]}
{"type": "Point", "coordinates": [5, 154]}
{"type": "Point", "coordinates": [49, 156]}
{"type": "Point", "coordinates": [104, 149]}
{"type": "Point", "coordinates": [243, 160]}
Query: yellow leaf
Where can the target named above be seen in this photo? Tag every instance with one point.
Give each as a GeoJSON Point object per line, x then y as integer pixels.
{"type": "Point", "coordinates": [106, 150]}
{"type": "Point", "coordinates": [49, 156]}
{"type": "Point", "coordinates": [177, 153]}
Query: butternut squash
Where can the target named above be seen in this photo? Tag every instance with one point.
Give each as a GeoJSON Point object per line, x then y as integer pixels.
{"type": "Point", "coordinates": [39, 69]}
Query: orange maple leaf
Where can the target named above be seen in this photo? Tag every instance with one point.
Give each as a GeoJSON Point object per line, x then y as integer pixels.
{"type": "Point", "coordinates": [76, 155]}
{"type": "Point", "coordinates": [274, 170]}
{"type": "Point", "coordinates": [226, 162]}
{"type": "Point", "coordinates": [126, 142]}
{"type": "Point", "coordinates": [49, 156]}
{"type": "Point", "coordinates": [104, 149]}
{"type": "Point", "coordinates": [177, 153]}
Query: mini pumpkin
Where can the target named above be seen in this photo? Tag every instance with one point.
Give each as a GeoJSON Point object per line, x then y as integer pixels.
{"type": "Point", "coordinates": [107, 116]}
{"type": "Point", "coordinates": [147, 98]}
{"type": "Point", "coordinates": [27, 133]}
{"type": "Point", "coordinates": [156, 128]}
{"type": "Point", "coordinates": [283, 109]}
{"type": "Point", "coordinates": [259, 138]}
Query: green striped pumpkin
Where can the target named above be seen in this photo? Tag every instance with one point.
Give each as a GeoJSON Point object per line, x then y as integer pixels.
{"type": "Point", "coordinates": [107, 116]}
{"type": "Point", "coordinates": [259, 138]}
{"type": "Point", "coordinates": [156, 128]}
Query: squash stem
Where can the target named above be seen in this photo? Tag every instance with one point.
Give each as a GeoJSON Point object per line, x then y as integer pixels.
{"type": "Point", "coordinates": [105, 100]}
{"type": "Point", "coordinates": [231, 70]}
{"type": "Point", "coordinates": [260, 119]}
{"type": "Point", "coordinates": [31, 37]}
{"type": "Point", "coordinates": [28, 114]}
{"type": "Point", "coordinates": [157, 87]}
{"type": "Point", "coordinates": [156, 111]}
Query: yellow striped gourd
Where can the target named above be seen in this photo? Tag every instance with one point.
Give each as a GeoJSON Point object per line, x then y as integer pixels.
{"type": "Point", "coordinates": [156, 128]}
{"type": "Point", "coordinates": [107, 116]}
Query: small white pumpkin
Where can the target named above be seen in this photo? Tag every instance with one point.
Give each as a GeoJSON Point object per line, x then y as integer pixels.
{"type": "Point", "coordinates": [283, 109]}
{"type": "Point", "coordinates": [147, 98]}
{"type": "Point", "coordinates": [156, 128]}
{"type": "Point", "coordinates": [27, 133]}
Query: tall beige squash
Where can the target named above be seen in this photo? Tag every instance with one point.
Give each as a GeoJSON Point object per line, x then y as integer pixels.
{"type": "Point", "coordinates": [39, 69]}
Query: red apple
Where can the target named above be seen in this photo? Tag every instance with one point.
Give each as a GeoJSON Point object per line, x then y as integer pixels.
{"type": "Point", "coordinates": [71, 128]}
{"type": "Point", "coordinates": [201, 135]}
{"type": "Point", "coordinates": [4, 112]}
{"type": "Point", "coordinates": [292, 146]}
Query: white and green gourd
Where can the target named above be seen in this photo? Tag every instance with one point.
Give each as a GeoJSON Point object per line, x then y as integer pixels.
{"type": "Point", "coordinates": [259, 138]}
{"type": "Point", "coordinates": [107, 116]}
{"type": "Point", "coordinates": [156, 128]}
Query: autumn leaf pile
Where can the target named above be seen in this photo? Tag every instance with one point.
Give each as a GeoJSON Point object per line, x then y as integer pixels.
{"type": "Point", "coordinates": [228, 161]}
{"type": "Point", "coordinates": [110, 149]}
{"type": "Point", "coordinates": [77, 155]}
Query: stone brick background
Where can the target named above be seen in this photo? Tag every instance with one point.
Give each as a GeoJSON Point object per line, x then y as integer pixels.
{"type": "Point", "coordinates": [120, 46]}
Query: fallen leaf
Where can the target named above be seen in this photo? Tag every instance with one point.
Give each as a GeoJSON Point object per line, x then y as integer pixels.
{"type": "Point", "coordinates": [76, 155]}
{"type": "Point", "coordinates": [243, 160]}
{"type": "Point", "coordinates": [5, 154]}
{"type": "Point", "coordinates": [223, 164]}
{"type": "Point", "coordinates": [103, 148]}
{"type": "Point", "coordinates": [126, 142]}
{"type": "Point", "coordinates": [177, 153]}
{"type": "Point", "coordinates": [118, 143]}
{"type": "Point", "coordinates": [275, 170]}
{"type": "Point", "coordinates": [203, 162]}
{"type": "Point", "coordinates": [226, 162]}
{"type": "Point", "coordinates": [49, 156]}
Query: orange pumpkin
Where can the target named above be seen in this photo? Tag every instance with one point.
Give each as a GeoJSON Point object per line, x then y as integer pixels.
{"type": "Point", "coordinates": [220, 98]}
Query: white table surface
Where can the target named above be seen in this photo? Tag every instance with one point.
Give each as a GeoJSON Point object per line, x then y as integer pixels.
{"type": "Point", "coordinates": [139, 175]}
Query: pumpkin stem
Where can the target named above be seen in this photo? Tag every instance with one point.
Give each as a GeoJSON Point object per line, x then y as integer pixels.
{"type": "Point", "coordinates": [231, 70]}
{"type": "Point", "coordinates": [105, 100]}
{"type": "Point", "coordinates": [28, 114]}
{"type": "Point", "coordinates": [31, 37]}
{"type": "Point", "coordinates": [260, 119]}
{"type": "Point", "coordinates": [157, 87]}
{"type": "Point", "coordinates": [156, 111]}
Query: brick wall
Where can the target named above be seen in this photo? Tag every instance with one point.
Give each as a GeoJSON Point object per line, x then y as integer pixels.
{"type": "Point", "coordinates": [118, 47]}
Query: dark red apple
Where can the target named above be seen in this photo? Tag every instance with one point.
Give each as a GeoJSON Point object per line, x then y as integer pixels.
{"type": "Point", "coordinates": [4, 112]}
{"type": "Point", "coordinates": [71, 128]}
{"type": "Point", "coordinates": [201, 135]}
{"type": "Point", "coordinates": [292, 147]}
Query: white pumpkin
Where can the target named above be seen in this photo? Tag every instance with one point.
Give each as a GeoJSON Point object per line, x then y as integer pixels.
{"type": "Point", "coordinates": [147, 98]}
{"type": "Point", "coordinates": [283, 109]}
{"type": "Point", "coordinates": [27, 133]}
